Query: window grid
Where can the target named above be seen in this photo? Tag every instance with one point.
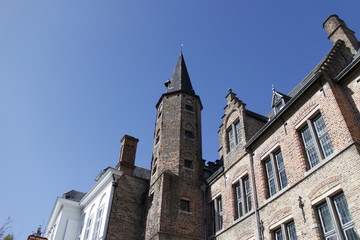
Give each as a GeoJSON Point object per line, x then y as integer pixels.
{"type": "Point", "coordinates": [316, 140]}
{"type": "Point", "coordinates": [242, 197]}
{"type": "Point", "coordinates": [291, 231]}
{"type": "Point", "coordinates": [275, 173]}
{"type": "Point", "coordinates": [98, 222]}
{"type": "Point", "coordinates": [278, 234]}
{"type": "Point", "coordinates": [286, 231]}
{"type": "Point", "coordinates": [216, 215]}
{"type": "Point", "coordinates": [335, 218]}
{"type": "Point", "coordinates": [233, 134]}
{"type": "Point", "coordinates": [88, 227]}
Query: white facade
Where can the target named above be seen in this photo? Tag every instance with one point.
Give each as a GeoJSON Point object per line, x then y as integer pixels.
{"type": "Point", "coordinates": [87, 219]}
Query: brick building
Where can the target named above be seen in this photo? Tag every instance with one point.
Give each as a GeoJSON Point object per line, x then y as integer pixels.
{"type": "Point", "coordinates": [293, 174]}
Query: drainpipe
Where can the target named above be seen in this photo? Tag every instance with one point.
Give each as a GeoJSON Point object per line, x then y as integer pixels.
{"type": "Point", "coordinates": [203, 189]}
{"type": "Point", "coordinates": [259, 225]}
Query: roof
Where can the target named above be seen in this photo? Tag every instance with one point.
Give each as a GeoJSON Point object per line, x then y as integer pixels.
{"type": "Point", "coordinates": [328, 63]}
{"type": "Point", "coordinates": [74, 195]}
{"type": "Point", "coordinates": [180, 80]}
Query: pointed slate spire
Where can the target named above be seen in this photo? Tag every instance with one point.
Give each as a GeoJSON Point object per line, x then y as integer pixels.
{"type": "Point", "coordinates": [180, 80]}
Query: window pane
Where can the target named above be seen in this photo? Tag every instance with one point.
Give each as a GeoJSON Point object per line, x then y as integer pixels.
{"type": "Point", "coordinates": [220, 213]}
{"type": "Point", "coordinates": [326, 218]}
{"type": "Point", "coordinates": [188, 163]}
{"type": "Point", "coordinates": [326, 145]}
{"type": "Point", "coordinates": [270, 177]}
{"type": "Point", "coordinates": [332, 237]}
{"type": "Point", "coordinates": [231, 139]}
{"type": "Point", "coordinates": [312, 156]}
{"type": "Point", "coordinates": [185, 205]}
{"type": "Point", "coordinates": [247, 194]}
{"type": "Point", "coordinates": [351, 234]}
{"type": "Point", "coordinates": [307, 138]}
{"type": "Point", "coordinates": [238, 200]}
{"type": "Point", "coordinates": [291, 231]}
{"type": "Point", "coordinates": [213, 223]}
{"type": "Point", "coordinates": [320, 126]}
{"type": "Point", "coordinates": [189, 134]}
{"type": "Point", "coordinates": [309, 147]}
{"type": "Point", "coordinates": [324, 138]}
{"type": "Point", "coordinates": [281, 170]}
{"type": "Point", "coordinates": [238, 132]}
{"type": "Point", "coordinates": [278, 234]}
{"type": "Point", "coordinates": [342, 209]}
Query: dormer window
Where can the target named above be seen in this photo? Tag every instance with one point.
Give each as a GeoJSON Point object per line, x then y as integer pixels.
{"type": "Point", "coordinates": [233, 135]}
{"type": "Point", "coordinates": [279, 106]}
{"type": "Point", "coordinates": [278, 100]}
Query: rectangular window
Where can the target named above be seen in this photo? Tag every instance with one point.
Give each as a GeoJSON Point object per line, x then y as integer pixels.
{"type": "Point", "coordinates": [189, 134]}
{"type": "Point", "coordinates": [275, 173]}
{"type": "Point", "coordinates": [185, 205]}
{"type": "Point", "coordinates": [242, 197]}
{"type": "Point", "coordinates": [316, 140]}
{"type": "Point", "coordinates": [233, 135]}
{"type": "Point", "coordinates": [335, 218]}
{"type": "Point", "coordinates": [285, 231]}
{"type": "Point", "coordinates": [98, 222]}
{"type": "Point", "coordinates": [231, 139]}
{"type": "Point", "coordinates": [216, 215]}
{"type": "Point", "coordinates": [188, 164]}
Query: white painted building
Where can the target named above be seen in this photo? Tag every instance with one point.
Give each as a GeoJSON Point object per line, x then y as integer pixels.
{"type": "Point", "coordinates": [83, 216]}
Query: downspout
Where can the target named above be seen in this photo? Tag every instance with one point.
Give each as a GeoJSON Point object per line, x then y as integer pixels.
{"type": "Point", "coordinates": [259, 225]}
{"type": "Point", "coordinates": [113, 187]}
{"type": "Point", "coordinates": [203, 189]}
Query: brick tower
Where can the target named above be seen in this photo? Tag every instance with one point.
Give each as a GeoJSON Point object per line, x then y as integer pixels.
{"type": "Point", "coordinates": [176, 209]}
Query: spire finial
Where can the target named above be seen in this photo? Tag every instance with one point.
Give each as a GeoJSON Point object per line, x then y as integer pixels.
{"type": "Point", "coordinates": [181, 47]}
{"type": "Point", "coordinates": [272, 87]}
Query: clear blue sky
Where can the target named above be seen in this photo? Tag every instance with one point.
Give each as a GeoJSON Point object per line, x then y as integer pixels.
{"type": "Point", "coordinates": [76, 75]}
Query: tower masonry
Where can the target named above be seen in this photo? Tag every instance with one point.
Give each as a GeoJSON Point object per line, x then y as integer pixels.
{"type": "Point", "coordinates": [175, 197]}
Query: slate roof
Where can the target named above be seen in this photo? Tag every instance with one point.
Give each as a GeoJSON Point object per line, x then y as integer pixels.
{"type": "Point", "coordinates": [180, 80]}
{"type": "Point", "coordinates": [74, 195]}
{"type": "Point", "coordinates": [325, 65]}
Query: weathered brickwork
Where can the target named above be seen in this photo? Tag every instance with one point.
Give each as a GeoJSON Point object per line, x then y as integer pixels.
{"type": "Point", "coordinates": [128, 208]}
{"type": "Point", "coordinates": [177, 201]}
{"type": "Point", "coordinates": [238, 200]}
{"type": "Point", "coordinates": [331, 91]}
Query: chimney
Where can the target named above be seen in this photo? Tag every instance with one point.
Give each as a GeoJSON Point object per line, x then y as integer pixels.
{"type": "Point", "coordinates": [337, 30]}
{"type": "Point", "coordinates": [126, 162]}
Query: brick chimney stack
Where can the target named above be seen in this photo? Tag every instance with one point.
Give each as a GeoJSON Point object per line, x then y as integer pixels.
{"type": "Point", "coordinates": [337, 30]}
{"type": "Point", "coordinates": [126, 162]}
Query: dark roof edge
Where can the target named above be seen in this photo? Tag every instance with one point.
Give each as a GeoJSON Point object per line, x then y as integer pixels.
{"type": "Point", "coordinates": [257, 116]}
{"type": "Point", "coordinates": [347, 69]}
{"type": "Point", "coordinates": [215, 174]}
{"type": "Point", "coordinates": [293, 99]}
{"type": "Point", "coordinates": [178, 92]}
